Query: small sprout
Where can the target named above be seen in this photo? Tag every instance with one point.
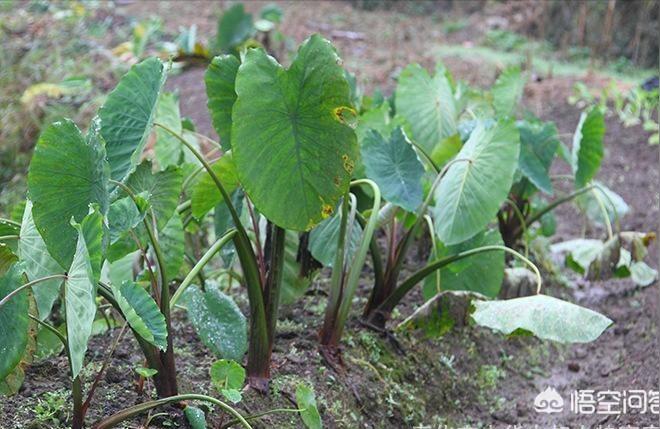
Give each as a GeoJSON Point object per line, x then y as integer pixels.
{"type": "Point", "coordinates": [146, 372]}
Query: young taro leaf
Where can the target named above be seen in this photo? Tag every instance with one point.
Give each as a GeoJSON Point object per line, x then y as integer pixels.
{"type": "Point", "coordinates": [538, 145]}
{"type": "Point", "coordinates": [38, 263]}
{"type": "Point", "coordinates": [67, 174]}
{"type": "Point", "coordinates": [14, 321]}
{"type": "Point", "coordinates": [480, 273]}
{"type": "Point", "coordinates": [545, 317]}
{"type": "Point", "coordinates": [307, 404]}
{"type": "Point", "coordinates": [128, 113]}
{"type": "Point", "coordinates": [590, 203]}
{"type": "Point", "coordinates": [234, 27]}
{"type": "Point", "coordinates": [507, 91]}
{"type": "Point", "coordinates": [218, 322]}
{"type": "Point", "coordinates": [393, 164]}
{"type": "Point", "coordinates": [587, 151]}
{"type": "Point", "coordinates": [292, 148]}
{"type": "Point", "coordinates": [206, 195]}
{"type": "Point", "coordinates": [168, 148]}
{"type": "Point", "coordinates": [145, 372]}
{"type": "Point", "coordinates": [142, 313]}
{"type": "Point", "coordinates": [80, 306]}
{"type": "Point", "coordinates": [228, 377]}
{"type": "Point", "coordinates": [471, 192]}
{"type": "Point", "coordinates": [220, 78]}
{"type": "Point", "coordinates": [160, 189]}
{"type": "Point", "coordinates": [427, 104]}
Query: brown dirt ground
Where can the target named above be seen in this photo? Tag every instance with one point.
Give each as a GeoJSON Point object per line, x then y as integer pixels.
{"type": "Point", "coordinates": [470, 377]}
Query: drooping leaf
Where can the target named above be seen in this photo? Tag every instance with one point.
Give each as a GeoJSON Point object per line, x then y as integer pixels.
{"type": "Point", "coordinates": [471, 192]}
{"type": "Point", "coordinates": [128, 113]}
{"type": "Point", "coordinates": [306, 401]}
{"type": "Point", "coordinates": [172, 243]}
{"type": "Point", "coordinates": [642, 274]}
{"type": "Point", "coordinates": [79, 294]}
{"type": "Point", "coordinates": [545, 317]}
{"type": "Point", "coordinates": [323, 240]}
{"type": "Point", "coordinates": [218, 322]}
{"type": "Point", "coordinates": [587, 151]}
{"type": "Point", "coordinates": [538, 145]}
{"type": "Point", "coordinates": [292, 121]}
{"type": "Point", "coordinates": [228, 378]}
{"type": "Point", "coordinates": [393, 164]}
{"type": "Point", "coordinates": [206, 194]}
{"type": "Point", "coordinates": [220, 78]}
{"type": "Point", "coordinates": [67, 174]}
{"type": "Point", "coordinates": [480, 273]}
{"type": "Point", "coordinates": [161, 189]}
{"type": "Point", "coordinates": [168, 148]}
{"type": "Point", "coordinates": [582, 252]}
{"type": "Point", "coordinates": [427, 103]}
{"type": "Point", "coordinates": [142, 313]}
{"type": "Point", "coordinates": [508, 90]}
{"type": "Point", "coordinates": [234, 27]}
{"type": "Point", "coordinates": [38, 263]}
{"type": "Point", "coordinates": [14, 321]}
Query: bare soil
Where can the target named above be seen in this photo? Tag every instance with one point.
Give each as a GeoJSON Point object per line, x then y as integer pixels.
{"type": "Point", "coordinates": [469, 377]}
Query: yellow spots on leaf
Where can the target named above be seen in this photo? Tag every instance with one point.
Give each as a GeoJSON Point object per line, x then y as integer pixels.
{"type": "Point", "coordinates": [346, 115]}
{"type": "Point", "coordinates": [326, 211]}
{"type": "Point", "coordinates": [349, 164]}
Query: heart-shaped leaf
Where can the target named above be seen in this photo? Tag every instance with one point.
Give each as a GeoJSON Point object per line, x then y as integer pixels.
{"type": "Point", "coordinates": [128, 113]}
{"type": "Point", "coordinates": [587, 151]}
{"type": "Point", "coordinates": [234, 27]}
{"type": "Point", "coordinates": [427, 103]}
{"type": "Point", "coordinates": [228, 378]}
{"type": "Point", "coordinates": [293, 121]}
{"type": "Point", "coordinates": [67, 174]}
{"type": "Point", "coordinates": [142, 313]}
{"type": "Point", "coordinates": [472, 191]}
{"type": "Point", "coordinates": [220, 78]}
{"type": "Point", "coordinates": [545, 317]}
{"type": "Point", "coordinates": [393, 164]}
{"type": "Point", "coordinates": [323, 240]}
{"type": "Point", "coordinates": [38, 263]}
{"type": "Point", "coordinates": [218, 322]}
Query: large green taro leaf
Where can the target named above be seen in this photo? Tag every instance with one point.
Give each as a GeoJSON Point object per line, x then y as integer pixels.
{"type": "Point", "coordinates": [427, 103]}
{"type": "Point", "coordinates": [220, 78]}
{"type": "Point", "coordinates": [293, 150]}
{"type": "Point", "coordinates": [142, 313]}
{"type": "Point", "coordinates": [508, 90]}
{"type": "Point", "coordinates": [471, 192]}
{"type": "Point", "coordinates": [160, 189]}
{"type": "Point", "coordinates": [587, 151]}
{"type": "Point", "coordinates": [482, 272]}
{"type": "Point", "coordinates": [67, 174]}
{"type": "Point", "coordinates": [393, 164]}
{"type": "Point", "coordinates": [128, 113]}
{"type": "Point", "coordinates": [206, 195]}
{"type": "Point", "coordinates": [538, 145]}
{"type": "Point", "coordinates": [38, 263]}
{"type": "Point", "coordinates": [79, 294]}
{"type": "Point", "coordinates": [218, 322]}
{"type": "Point", "coordinates": [545, 317]}
{"type": "Point", "coordinates": [14, 322]}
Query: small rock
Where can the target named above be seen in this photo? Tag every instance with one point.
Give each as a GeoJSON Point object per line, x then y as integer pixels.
{"type": "Point", "coordinates": [505, 416]}
{"type": "Point", "coordinates": [113, 375]}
